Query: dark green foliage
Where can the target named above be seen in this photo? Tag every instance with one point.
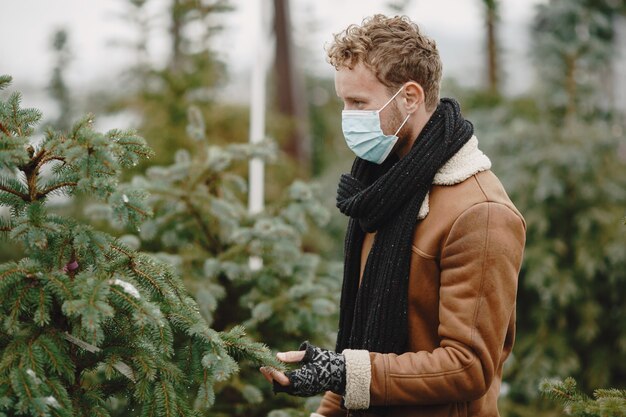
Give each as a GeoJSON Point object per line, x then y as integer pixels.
{"type": "Point", "coordinates": [84, 318]}
{"type": "Point", "coordinates": [203, 227]}
{"type": "Point", "coordinates": [573, 50]}
{"type": "Point", "coordinates": [570, 184]}
{"type": "Point", "coordinates": [605, 402]}
{"type": "Point", "coordinates": [161, 95]}
{"type": "Point", "coordinates": [561, 157]}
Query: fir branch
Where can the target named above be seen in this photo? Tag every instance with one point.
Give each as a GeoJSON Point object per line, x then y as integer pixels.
{"type": "Point", "coordinates": [5, 130]}
{"type": "Point", "coordinates": [559, 393]}
{"type": "Point", "coordinates": [144, 154]}
{"type": "Point", "coordinates": [168, 278]}
{"type": "Point", "coordinates": [49, 158]}
{"type": "Point", "coordinates": [24, 197]}
{"type": "Point", "coordinates": [212, 245]}
{"type": "Point", "coordinates": [14, 102]}
{"type": "Point", "coordinates": [180, 410]}
{"type": "Point", "coordinates": [606, 402]}
{"type": "Point", "coordinates": [167, 406]}
{"type": "Point", "coordinates": [610, 393]}
{"type": "Point", "coordinates": [55, 387]}
{"type": "Point", "coordinates": [126, 298]}
{"type": "Point", "coordinates": [181, 318]}
{"type": "Point", "coordinates": [11, 272]}
{"type": "Point", "coordinates": [15, 310]}
{"type": "Point", "coordinates": [44, 192]}
{"type": "Point", "coordinates": [51, 356]}
{"type": "Point", "coordinates": [24, 383]}
{"type": "Point", "coordinates": [138, 272]}
{"type": "Point", "coordinates": [5, 81]}
{"type": "Point", "coordinates": [33, 362]}
{"type": "Point", "coordinates": [62, 251]}
{"type": "Point", "coordinates": [60, 284]}
{"type": "Point", "coordinates": [137, 209]}
{"type": "Point", "coordinates": [146, 368]}
{"type": "Point", "coordinates": [5, 226]}
{"type": "Point", "coordinates": [42, 301]}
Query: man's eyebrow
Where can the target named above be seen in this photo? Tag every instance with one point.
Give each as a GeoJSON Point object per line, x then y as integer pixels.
{"type": "Point", "coordinates": [355, 98]}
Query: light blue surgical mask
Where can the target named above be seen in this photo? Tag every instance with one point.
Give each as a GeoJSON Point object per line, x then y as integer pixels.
{"type": "Point", "coordinates": [364, 134]}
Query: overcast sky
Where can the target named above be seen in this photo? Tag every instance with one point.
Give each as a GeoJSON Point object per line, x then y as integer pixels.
{"type": "Point", "coordinates": [456, 25]}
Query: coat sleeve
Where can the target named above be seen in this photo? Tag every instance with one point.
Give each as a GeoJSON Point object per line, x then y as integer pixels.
{"type": "Point", "coordinates": [480, 263]}
{"type": "Point", "coordinates": [330, 406]}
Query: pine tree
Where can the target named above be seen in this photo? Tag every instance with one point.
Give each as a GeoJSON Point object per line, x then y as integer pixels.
{"type": "Point", "coordinates": [85, 320]}
{"type": "Point", "coordinates": [606, 402]}
{"type": "Point", "coordinates": [573, 47]}
{"type": "Point", "coordinates": [559, 152]}
{"type": "Point", "coordinates": [560, 156]}
{"type": "Point", "coordinates": [569, 182]}
{"type": "Point", "coordinates": [201, 224]}
{"type": "Point", "coordinates": [161, 94]}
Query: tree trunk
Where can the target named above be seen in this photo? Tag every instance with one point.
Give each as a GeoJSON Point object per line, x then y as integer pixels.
{"type": "Point", "coordinates": [176, 35]}
{"type": "Point", "coordinates": [493, 69]}
{"type": "Point", "coordinates": [570, 85]}
{"type": "Point", "coordinates": [292, 101]}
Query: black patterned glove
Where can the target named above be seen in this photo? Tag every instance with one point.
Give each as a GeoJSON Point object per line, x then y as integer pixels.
{"type": "Point", "coordinates": [322, 370]}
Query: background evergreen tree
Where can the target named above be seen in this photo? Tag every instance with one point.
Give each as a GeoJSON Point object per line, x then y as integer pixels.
{"type": "Point", "coordinates": [89, 324]}
{"type": "Point", "coordinates": [569, 183]}
{"type": "Point", "coordinates": [159, 94]}
{"type": "Point", "coordinates": [605, 402]}
{"type": "Point", "coordinates": [574, 49]}
{"type": "Point", "coordinates": [202, 226]}
{"type": "Point", "coordinates": [561, 156]}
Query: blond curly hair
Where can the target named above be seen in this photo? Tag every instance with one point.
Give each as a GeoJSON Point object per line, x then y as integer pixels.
{"type": "Point", "coordinates": [394, 49]}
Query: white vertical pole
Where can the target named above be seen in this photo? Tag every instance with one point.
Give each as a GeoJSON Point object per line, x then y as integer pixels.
{"type": "Point", "coordinates": [257, 115]}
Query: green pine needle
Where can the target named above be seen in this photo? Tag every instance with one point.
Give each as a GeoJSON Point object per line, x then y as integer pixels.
{"type": "Point", "coordinates": [606, 402]}
{"type": "Point", "coordinates": [5, 81]}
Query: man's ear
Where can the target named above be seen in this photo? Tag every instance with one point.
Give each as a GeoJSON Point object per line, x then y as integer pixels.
{"type": "Point", "coordinates": [413, 96]}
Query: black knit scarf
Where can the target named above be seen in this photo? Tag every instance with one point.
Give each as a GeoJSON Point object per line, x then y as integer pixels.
{"type": "Point", "coordinates": [386, 198]}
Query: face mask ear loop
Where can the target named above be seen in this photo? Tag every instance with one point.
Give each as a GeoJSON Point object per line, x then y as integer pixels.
{"type": "Point", "coordinates": [405, 119]}
{"type": "Point", "coordinates": [389, 101]}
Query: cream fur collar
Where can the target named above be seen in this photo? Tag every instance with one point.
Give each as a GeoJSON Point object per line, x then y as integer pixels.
{"type": "Point", "coordinates": [468, 161]}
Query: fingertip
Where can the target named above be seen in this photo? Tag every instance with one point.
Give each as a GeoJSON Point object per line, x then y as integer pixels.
{"type": "Point", "coordinates": [283, 380]}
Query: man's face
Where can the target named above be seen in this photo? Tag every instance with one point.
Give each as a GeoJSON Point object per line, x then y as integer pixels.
{"type": "Point", "coordinates": [359, 89]}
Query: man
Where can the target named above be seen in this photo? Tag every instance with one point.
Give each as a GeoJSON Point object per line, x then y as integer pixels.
{"type": "Point", "coordinates": [432, 251]}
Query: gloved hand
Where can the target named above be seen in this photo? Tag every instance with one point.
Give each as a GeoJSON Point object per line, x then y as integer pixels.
{"type": "Point", "coordinates": [322, 370]}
